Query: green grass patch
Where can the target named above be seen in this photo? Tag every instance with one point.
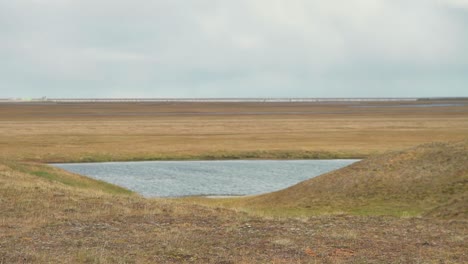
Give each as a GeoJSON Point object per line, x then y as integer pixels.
{"type": "Point", "coordinates": [69, 179]}
{"type": "Point", "coordinates": [82, 182]}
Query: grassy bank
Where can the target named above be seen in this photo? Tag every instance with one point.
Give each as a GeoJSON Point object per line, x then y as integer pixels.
{"type": "Point", "coordinates": [55, 175]}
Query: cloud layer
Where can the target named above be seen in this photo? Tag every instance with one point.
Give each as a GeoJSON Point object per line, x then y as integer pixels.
{"type": "Point", "coordinates": [244, 48]}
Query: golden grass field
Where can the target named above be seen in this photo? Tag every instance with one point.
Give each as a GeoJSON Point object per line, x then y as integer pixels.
{"type": "Point", "coordinates": [48, 215]}
{"type": "Point", "coordinates": [129, 131]}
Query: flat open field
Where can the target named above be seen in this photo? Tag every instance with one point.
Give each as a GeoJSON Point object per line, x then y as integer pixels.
{"type": "Point", "coordinates": [57, 132]}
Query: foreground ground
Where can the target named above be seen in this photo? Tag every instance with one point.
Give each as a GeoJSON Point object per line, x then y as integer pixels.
{"type": "Point", "coordinates": [50, 216]}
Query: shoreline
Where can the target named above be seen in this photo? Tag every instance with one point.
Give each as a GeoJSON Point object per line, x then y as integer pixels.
{"type": "Point", "coordinates": [198, 160]}
{"type": "Point", "coordinates": [210, 156]}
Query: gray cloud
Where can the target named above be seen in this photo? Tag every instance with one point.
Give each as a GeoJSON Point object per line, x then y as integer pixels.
{"type": "Point", "coordinates": [243, 48]}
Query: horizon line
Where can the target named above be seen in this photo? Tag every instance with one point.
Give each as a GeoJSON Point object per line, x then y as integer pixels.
{"type": "Point", "coordinates": [225, 99]}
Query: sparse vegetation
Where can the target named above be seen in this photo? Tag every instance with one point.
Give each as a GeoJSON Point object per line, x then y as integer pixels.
{"type": "Point", "coordinates": [161, 131]}
{"type": "Point", "coordinates": [401, 207]}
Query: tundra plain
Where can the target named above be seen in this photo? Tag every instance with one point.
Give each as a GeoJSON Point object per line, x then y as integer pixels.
{"type": "Point", "coordinates": [48, 215]}
{"type": "Point", "coordinates": [74, 132]}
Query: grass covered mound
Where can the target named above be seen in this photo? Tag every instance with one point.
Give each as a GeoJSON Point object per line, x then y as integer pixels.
{"type": "Point", "coordinates": [430, 179]}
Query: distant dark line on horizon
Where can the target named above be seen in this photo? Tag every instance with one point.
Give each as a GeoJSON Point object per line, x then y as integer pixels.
{"type": "Point", "coordinates": [221, 99]}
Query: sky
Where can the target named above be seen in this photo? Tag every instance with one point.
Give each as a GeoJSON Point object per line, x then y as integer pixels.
{"type": "Point", "coordinates": [227, 48]}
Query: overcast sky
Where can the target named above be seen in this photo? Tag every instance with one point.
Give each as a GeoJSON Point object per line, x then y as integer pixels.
{"type": "Point", "coordinates": [233, 48]}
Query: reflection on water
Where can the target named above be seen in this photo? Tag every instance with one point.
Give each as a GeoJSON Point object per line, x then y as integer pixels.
{"type": "Point", "coordinates": [182, 178]}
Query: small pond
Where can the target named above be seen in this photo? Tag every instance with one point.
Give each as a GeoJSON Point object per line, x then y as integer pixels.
{"type": "Point", "coordinates": [209, 178]}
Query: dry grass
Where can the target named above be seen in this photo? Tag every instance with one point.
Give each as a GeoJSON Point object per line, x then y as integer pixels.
{"type": "Point", "coordinates": [47, 221]}
{"type": "Point", "coordinates": [104, 132]}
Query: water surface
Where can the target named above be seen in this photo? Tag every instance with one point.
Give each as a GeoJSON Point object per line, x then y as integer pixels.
{"type": "Point", "coordinates": [184, 178]}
